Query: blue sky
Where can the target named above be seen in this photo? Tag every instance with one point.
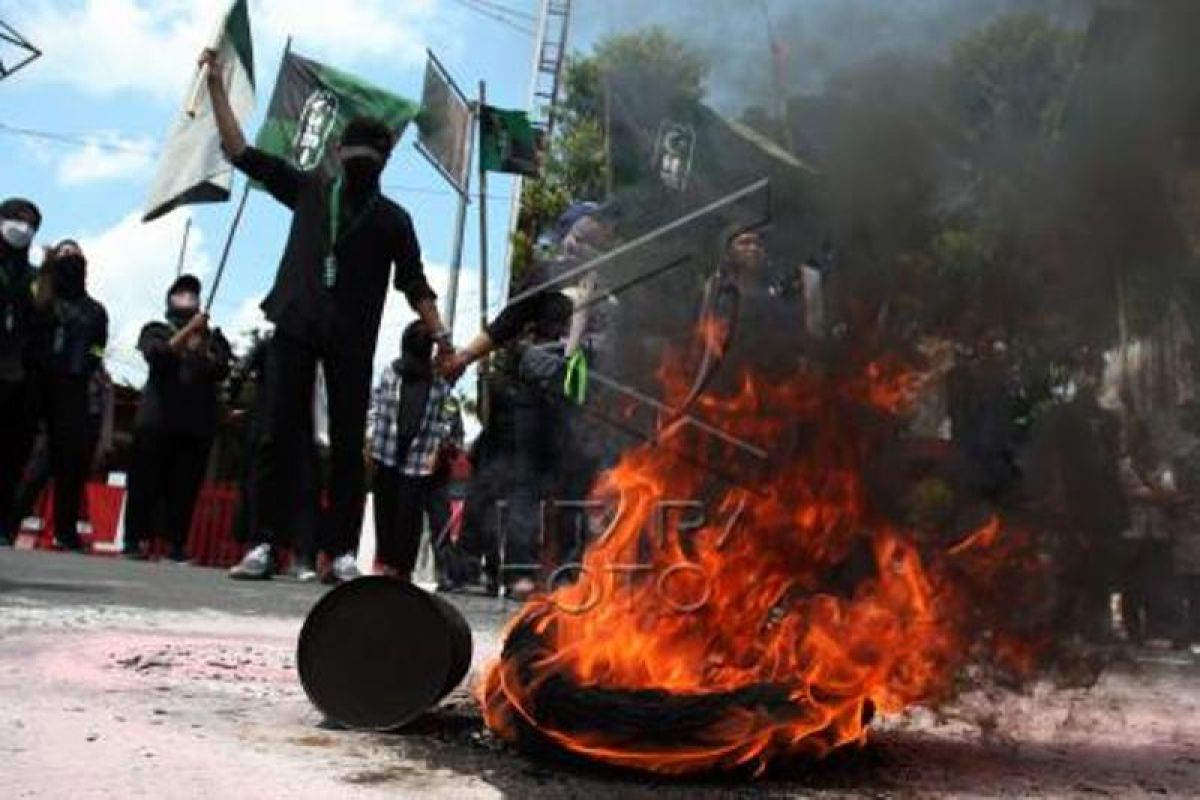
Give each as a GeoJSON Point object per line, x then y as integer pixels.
{"type": "Point", "coordinates": [115, 72]}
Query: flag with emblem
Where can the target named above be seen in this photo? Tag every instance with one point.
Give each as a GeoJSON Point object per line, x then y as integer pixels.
{"type": "Point", "coordinates": [313, 102]}
{"type": "Point", "coordinates": [192, 168]}
{"type": "Point", "coordinates": [508, 142]}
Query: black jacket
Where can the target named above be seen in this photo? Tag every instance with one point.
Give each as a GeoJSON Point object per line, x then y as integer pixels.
{"type": "Point", "coordinates": [180, 395]}
{"type": "Point", "coordinates": [344, 319]}
{"type": "Point", "coordinates": [16, 313]}
{"type": "Point", "coordinates": [71, 338]}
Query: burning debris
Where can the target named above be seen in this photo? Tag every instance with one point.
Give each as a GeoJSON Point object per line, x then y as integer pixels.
{"type": "Point", "coordinates": [780, 627]}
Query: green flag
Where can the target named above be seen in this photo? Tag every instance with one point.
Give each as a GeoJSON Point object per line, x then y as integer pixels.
{"type": "Point", "coordinates": [192, 168]}
{"type": "Point", "coordinates": [507, 142]}
{"type": "Point", "coordinates": [311, 105]}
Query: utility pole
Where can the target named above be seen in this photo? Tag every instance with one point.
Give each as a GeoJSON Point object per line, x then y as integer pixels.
{"type": "Point", "coordinates": [549, 56]}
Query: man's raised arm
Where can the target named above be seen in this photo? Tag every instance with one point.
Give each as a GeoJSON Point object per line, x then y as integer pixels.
{"type": "Point", "coordinates": [233, 141]}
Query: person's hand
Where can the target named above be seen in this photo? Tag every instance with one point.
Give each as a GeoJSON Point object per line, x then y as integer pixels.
{"type": "Point", "coordinates": [209, 58]}
{"type": "Point", "coordinates": [453, 366]}
{"type": "Point", "coordinates": [197, 324]}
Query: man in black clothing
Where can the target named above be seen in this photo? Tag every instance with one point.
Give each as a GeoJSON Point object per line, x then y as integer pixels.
{"type": "Point", "coordinates": [68, 349]}
{"type": "Point", "coordinates": [19, 221]}
{"type": "Point", "coordinates": [326, 304]}
{"type": "Point", "coordinates": [176, 420]}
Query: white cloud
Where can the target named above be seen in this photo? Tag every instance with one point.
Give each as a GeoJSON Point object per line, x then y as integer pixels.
{"type": "Point", "coordinates": [246, 317]}
{"type": "Point", "coordinates": [130, 267]}
{"type": "Point", "coordinates": [102, 47]}
{"type": "Point", "coordinates": [352, 30]}
{"type": "Point", "coordinates": [107, 157]}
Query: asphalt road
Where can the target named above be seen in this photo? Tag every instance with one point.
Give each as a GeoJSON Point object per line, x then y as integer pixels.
{"type": "Point", "coordinates": [122, 679]}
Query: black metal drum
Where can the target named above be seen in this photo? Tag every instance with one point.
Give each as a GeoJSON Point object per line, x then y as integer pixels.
{"type": "Point", "coordinates": [376, 653]}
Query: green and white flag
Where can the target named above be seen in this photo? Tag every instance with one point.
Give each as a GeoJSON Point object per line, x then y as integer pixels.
{"type": "Point", "coordinates": [193, 169]}
{"type": "Point", "coordinates": [311, 105]}
{"type": "Point", "coordinates": [507, 142]}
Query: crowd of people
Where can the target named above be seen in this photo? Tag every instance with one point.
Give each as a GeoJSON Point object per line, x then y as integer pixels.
{"type": "Point", "coordinates": [1118, 511]}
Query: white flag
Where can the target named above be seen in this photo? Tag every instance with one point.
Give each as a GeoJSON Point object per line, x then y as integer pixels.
{"type": "Point", "coordinates": [193, 169]}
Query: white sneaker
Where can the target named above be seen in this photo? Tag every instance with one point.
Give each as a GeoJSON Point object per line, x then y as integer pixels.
{"type": "Point", "coordinates": [302, 571]}
{"type": "Point", "coordinates": [257, 564]}
{"type": "Point", "coordinates": [345, 568]}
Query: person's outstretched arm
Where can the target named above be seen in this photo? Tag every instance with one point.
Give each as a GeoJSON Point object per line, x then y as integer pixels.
{"type": "Point", "coordinates": [279, 177]}
{"type": "Point", "coordinates": [233, 141]}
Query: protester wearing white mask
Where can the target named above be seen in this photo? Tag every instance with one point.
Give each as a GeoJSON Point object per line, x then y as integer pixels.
{"type": "Point", "coordinates": [19, 221]}
{"type": "Point", "coordinates": [176, 421]}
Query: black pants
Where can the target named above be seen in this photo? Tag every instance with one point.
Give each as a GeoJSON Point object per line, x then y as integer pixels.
{"type": "Point", "coordinates": [536, 459]}
{"type": "Point", "coordinates": [69, 437]}
{"type": "Point", "coordinates": [164, 482]}
{"type": "Point", "coordinates": [19, 426]}
{"type": "Point", "coordinates": [37, 473]}
{"type": "Point", "coordinates": [400, 503]}
{"type": "Point", "coordinates": [292, 373]}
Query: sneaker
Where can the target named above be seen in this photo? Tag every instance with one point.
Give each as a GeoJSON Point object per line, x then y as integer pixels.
{"type": "Point", "coordinates": [302, 571]}
{"type": "Point", "coordinates": [345, 568]}
{"type": "Point", "coordinates": [76, 546]}
{"type": "Point", "coordinates": [256, 565]}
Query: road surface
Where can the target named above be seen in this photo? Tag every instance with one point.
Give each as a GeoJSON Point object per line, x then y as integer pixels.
{"type": "Point", "coordinates": [124, 680]}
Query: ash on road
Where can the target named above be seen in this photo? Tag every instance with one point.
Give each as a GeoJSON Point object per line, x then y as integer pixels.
{"type": "Point", "coordinates": [149, 680]}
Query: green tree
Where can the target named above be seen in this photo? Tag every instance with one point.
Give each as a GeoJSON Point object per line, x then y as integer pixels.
{"type": "Point", "coordinates": [1011, 78]}
{"type": "Point", "coordinates": [577, 165]}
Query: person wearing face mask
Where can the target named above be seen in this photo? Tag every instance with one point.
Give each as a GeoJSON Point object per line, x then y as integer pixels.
{"type": "Point", "coordinates": [19, 220]}
{"type": "Point", "coordinates": [326, 303]}
{"type": "Point", "coordinates": [412, 418]}
{"type": "Point", "coordinates": [176, 420]}
{"type": "Point", "coordinates": [70, 347]}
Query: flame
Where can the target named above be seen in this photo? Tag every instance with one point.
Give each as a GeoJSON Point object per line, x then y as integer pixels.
{"type": "Point", "coordinates": [762, 593]}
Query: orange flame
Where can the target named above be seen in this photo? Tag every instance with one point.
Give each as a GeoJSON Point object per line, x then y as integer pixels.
{"type": "Point", "coordinates": [763, 592]}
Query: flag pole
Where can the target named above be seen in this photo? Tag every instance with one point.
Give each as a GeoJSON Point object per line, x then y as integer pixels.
{"type": "Point", "coordinates": [237, 220]}
{"type": "Point", "coordinates": [193, 103]}
{"type": "Point", "coordinates": [481, 388]}
{"type": "Point", "coordinates": [460, 225]}
{"type": "Point", "coordinates": [187, 229]}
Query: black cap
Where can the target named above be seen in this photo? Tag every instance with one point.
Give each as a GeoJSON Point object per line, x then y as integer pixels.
{"type": "Point", "coordinates": [17, 205]}
{"type": "Point", "coordinates": [185, 283]}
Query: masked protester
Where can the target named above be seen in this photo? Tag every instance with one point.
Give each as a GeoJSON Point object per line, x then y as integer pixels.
{"type": "Point", "coordinates": [412, 420]}
{"type": "Point", "coordinates": [176, 421]}
{"type": "Point", "coordinates": [70, 345]}
{"type": "Point", "coordinates": [326, 304]}
{"type": "Point", "coordinates": [19, 221]}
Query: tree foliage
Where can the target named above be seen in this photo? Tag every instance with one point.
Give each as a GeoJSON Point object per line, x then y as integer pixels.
{"type": "Point", "coordinates": [576, 164]}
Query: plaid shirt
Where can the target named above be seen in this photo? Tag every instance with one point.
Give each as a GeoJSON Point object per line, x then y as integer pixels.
{"type": "Point", "coordinates": [441, 425]}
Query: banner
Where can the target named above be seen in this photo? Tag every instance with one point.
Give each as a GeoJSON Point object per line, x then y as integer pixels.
{"type": "Point", "coordinates": [193, 169]}
{"type": "Point", "coordinates": [508, 142]}
{"type": "Point", "coordinates": [445, 125]}
{"type": "Point", "coordinates": [312, 104]}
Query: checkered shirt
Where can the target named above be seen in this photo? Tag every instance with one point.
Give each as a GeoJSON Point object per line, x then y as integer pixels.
{"type": "Point", "coordinates": [440, 425]}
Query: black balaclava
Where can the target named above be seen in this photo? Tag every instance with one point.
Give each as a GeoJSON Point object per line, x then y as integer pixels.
{"type": "Point", "coordinates": [416, 351]}
{"type": "Point", "coordinates": [183, 300]}
{"type": "Point", "coordinates": [416, 373]}
{"type": "Point", "coordinates": [25, 214]}
{"type": "Point", "coordinates": [366, 145]}
{"type": "Point", "coordinates": [69, 272]}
